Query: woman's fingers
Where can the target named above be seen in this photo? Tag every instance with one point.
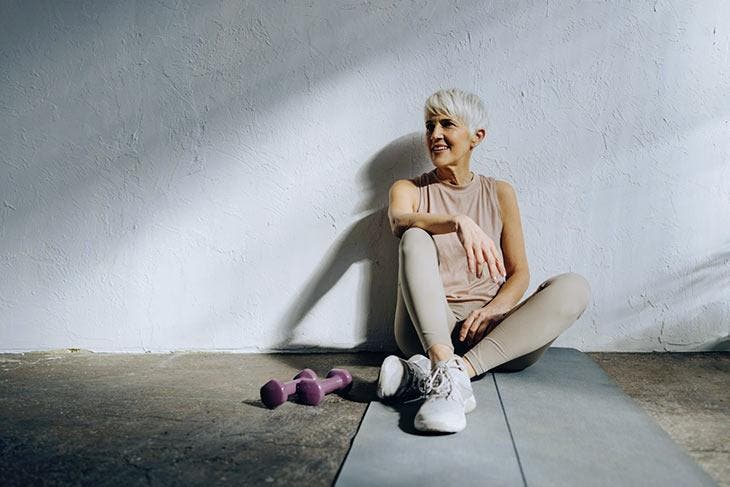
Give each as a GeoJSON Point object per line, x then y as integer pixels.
{"type": "Point", "coordinates": [493, 262]}
{"type": "Point", "coordinates": [500, 264]}
{"type": "Point", "coordinates": [471, 331]}
{"type": "Point", "coordinates": [470, 327]}
{"type": "Point", "coordinates": [502, 269]}
{"type": "Point", "coordinates": [490, 258]}
{"type": "Point", "coordinates": [470, 258]}
{"type": "Point", "coordinates": [475, 326]}
{"type": "Point", "coordinates": [493, 270]}
{"type": "Point", "coordinates": [491, 320]}
{"type": "Point", "coordinates": [479, 334]}
{"type": "Point", "coordinates": [479, 254]}
{"type": "Point", "coordinates": [477, 323]}
{"type": "Point", "coordinates": [465, 327]}
{"type": "Point", "coordinates": [476, 332]}
{"type": "Point", "coordinates": [479, 261]}
{"type": "Point", "coordinates": [480, 250]}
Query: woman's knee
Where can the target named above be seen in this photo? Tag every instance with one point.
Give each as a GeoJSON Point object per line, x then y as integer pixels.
{"type": "Point", "coordinates": [575, 292]}
{"type": "Point", "coordinates": [414, 238]}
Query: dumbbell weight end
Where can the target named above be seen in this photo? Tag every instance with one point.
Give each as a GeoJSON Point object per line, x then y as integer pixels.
{"type": "Point", "coordinates": [312, 392]}
{"type": "Point", "coordinates": [275, 393]}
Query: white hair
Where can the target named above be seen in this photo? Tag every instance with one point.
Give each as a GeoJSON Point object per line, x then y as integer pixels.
{"type": "Point", "coordinates": [466, 107]}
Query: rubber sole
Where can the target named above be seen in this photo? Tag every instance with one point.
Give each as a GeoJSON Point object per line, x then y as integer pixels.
{"type": "Point", "coordinates": [440, 427]}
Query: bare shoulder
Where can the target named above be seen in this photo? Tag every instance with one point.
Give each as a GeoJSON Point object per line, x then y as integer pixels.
{"type": "Point", "coordinates": [405, 187]}
{"type": "Point", "coordinates": [404, 190]}
{"type": "Point", "coordinates": [405, 184]}
{"type": "Point", "coordinates": [505, 193]}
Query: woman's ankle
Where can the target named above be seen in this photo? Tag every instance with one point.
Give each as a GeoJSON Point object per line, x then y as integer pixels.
{"type": "Point", "coordinates": [440, 352]}
{"type": "Point", "coordinates": [470, 370]}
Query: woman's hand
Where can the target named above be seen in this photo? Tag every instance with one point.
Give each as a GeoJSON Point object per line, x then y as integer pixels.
{"type": "Point", "coordinates": [479, 320]}
{"type": "Point", "coordinates": [479, 249]}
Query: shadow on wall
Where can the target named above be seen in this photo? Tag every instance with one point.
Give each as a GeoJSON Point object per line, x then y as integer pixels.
{"type": "Point", "coordinates": [719, 345]}
{"type": "Point", "coordinates": [369, 239]}
{"type": "Point", "coordinates": [682, 299]}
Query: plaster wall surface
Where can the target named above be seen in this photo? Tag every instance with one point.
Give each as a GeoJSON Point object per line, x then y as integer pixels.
{"type": "Point", "coordinates": [214, 175]}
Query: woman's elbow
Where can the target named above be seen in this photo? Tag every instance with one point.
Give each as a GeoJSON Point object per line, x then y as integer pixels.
{"type": "Point", "coordinates": [523, 274]}
{"type": "Point", "coordinates": [400, 231]}
{"type": "Point", "coordinates": [526, 283]}
{"type": "Point", "coordinates": [396, 227]}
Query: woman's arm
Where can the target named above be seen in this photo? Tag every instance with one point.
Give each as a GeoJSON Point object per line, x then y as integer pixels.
{"type": "Point", "coordinates": [515, 261]}
{"type": "Point", "coordinates": [513, 250]}
{"type": "Point", "coordinates": [481, 251]}
{"type": "Point", "coordinates": [402, 212]}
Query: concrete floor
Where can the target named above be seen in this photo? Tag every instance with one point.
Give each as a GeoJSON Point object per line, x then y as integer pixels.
{"type": "Point", "coordinates": [196, 418]}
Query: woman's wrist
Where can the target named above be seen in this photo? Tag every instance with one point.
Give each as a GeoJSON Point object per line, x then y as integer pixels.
{"type": "Point", "coordinates": [457, 221]}
{"type": "Point", "coordinates": [497, 308]}
{"type": "Point", "coordinates": [509, 296]}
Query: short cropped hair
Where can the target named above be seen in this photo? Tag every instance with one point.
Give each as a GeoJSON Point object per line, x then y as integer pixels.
{"type": "Point", "coordinates": [464, 106]}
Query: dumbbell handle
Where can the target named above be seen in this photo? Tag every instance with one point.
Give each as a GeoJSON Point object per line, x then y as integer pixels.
{"type": "Point", "coordinates": [312, 391]}
{"type": "Point", "coordinates": [274, 393]}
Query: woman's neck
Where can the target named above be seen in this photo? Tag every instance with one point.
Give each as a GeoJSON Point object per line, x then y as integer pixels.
{"type": "Point", "coordinates": [454, 176]}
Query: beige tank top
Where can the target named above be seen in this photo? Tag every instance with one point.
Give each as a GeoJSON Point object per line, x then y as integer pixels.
{"type": "Point", "coordinates": [478, 200]}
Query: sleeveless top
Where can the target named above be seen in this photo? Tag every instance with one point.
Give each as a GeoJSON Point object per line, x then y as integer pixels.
{"type": "Point", "coordinates": [478, 200]}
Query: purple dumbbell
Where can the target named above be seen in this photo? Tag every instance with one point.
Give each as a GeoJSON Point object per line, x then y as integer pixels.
{"type": "Point", "coordinates": [275, 393]}
{"type": "Point", "coordinates": [312, 391]}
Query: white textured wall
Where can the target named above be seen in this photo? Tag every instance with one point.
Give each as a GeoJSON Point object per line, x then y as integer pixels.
{"type": "Point", "coordinates": [214, 175]}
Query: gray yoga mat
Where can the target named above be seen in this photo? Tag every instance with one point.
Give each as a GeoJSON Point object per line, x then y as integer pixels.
{"type": "Point", "coordinates": [573, 425]}
{"type": "Point", "coordinates": [562, 421]}
{"type": "Point", "coordinates": [388, 450]}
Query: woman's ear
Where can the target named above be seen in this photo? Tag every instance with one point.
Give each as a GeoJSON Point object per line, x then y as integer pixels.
{"type": "Point", "coordinates": [478, 137]}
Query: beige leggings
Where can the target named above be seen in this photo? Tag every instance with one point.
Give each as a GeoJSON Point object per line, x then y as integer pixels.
{"type": "Point", "coordinates": [424, 318]}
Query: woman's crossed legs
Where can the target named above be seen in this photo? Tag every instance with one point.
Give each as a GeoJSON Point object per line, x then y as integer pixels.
{"type": "Point", "coordinates": [424, 318]}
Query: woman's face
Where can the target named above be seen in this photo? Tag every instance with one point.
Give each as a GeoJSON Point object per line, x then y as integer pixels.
{"type": "Point", "coordinates": [448, 140]}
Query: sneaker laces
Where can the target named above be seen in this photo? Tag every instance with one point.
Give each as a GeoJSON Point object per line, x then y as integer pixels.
{"type": "Point", "coordinates": [438, 383]}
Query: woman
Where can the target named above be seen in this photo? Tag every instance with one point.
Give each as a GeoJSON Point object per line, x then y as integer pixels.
{"type": "Point", "coordinates": [462, 271]}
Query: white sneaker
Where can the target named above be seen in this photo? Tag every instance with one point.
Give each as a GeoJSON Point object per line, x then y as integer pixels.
{"type": "Point", "coordinates": [449, 397]}
{"type": "Point", "coordinates": [400, 379]}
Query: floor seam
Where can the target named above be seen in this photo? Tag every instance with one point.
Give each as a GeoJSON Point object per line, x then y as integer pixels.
{"type": "Point", "coordinates": [352, 443]}
{"type": "Point", "coordinates": [509, 430]}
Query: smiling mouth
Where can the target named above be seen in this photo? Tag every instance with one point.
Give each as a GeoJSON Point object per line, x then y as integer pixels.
{"type": "Point", "coordinates": [440, 148]}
